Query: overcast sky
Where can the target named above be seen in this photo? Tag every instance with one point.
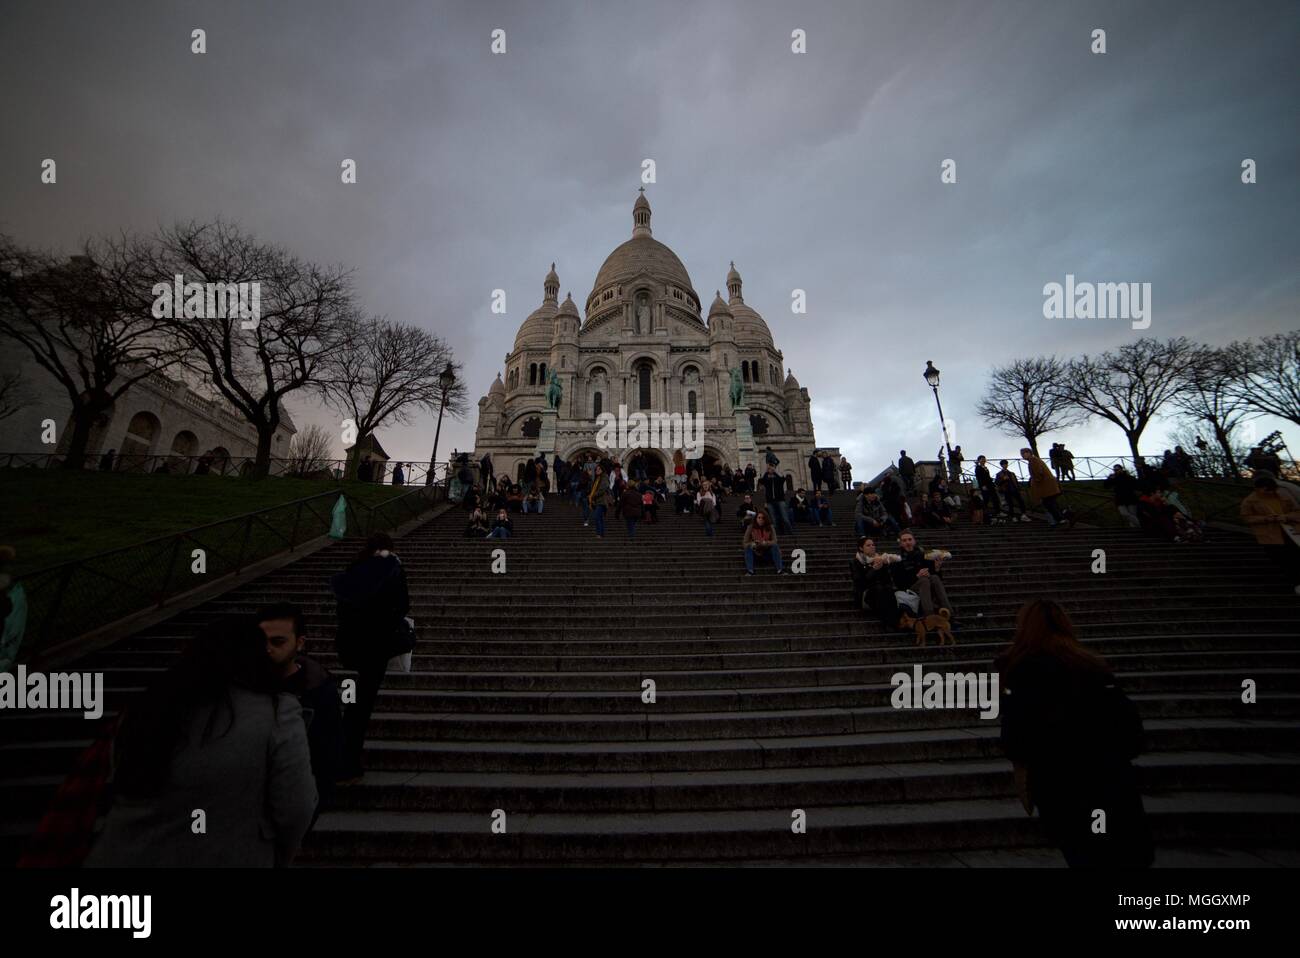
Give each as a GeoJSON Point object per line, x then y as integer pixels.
{"type": "Point", "coordinates": [817, 171]}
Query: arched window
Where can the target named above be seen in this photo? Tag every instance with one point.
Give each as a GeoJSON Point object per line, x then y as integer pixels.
{"type": "Point", "coordinates": [596, 404]}
{"type": "Point", "coordinates": [691, 404]}
{"type": "Point", "coordinates": [643, 385]}
{"type": "Point", "coordinates": [541, 375]}
{"type": "Point", "coordinates": [772, 374]}
{"type": "Point", "coordinates": [744, 370]}
{"type": "Point", "coordinates": [532, 374]}
{"type": "Point", "coordinates": [753, 375]}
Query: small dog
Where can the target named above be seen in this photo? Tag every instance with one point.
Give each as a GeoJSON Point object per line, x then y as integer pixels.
{"type": "Point", "coordinates": [937, 623]}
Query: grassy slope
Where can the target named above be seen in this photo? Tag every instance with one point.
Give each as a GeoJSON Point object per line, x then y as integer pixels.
{"type": "Point", "coordinates": [52, 516]}
{"type": "Point", "coordinates": [1216, 499]}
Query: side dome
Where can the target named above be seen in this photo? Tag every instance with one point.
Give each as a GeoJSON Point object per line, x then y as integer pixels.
{"type": "Point", "coordinates": [536, 331]}
{"type": "Point", "coordinates": [751, 328]}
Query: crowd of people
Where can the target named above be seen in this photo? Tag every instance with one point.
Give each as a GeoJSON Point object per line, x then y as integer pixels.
{"type": "Point", "coordinates": [250, 729]}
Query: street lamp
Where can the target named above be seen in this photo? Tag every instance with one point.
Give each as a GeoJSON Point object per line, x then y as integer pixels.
{"type": "Point", "coordinates": [446, 379]}
{"type": "Point", "coordinates": [932, 378]}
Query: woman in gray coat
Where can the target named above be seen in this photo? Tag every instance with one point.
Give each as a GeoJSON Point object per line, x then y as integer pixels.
{"type": "Point", "coordinates": [212, 767]}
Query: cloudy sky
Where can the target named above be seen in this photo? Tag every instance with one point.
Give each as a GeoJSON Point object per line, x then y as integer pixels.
{"type": "Point", "coordinates": [817, 171]}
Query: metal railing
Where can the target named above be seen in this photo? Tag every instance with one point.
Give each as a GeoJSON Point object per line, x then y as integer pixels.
{"type": "Point", "coordinates": [413, 473]}
{"type": "Point", "coordinates": [73, 598]}
{"type": "Point", "coordinates": [1099, 467]}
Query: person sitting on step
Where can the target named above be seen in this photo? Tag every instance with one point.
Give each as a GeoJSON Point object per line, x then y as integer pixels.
{"type": "Point", "coordinates": [534, 502]}
{"type": "Point", "coordinates": [649, 504]}
{"type": "Point", "coordinates": [873, 584]}
{"type": "Point", "coordinates": [503, 526]}
{"type": "Point", "coordinates": [937, 513]}
{"type": "Point", "coordinates": [915, 572]}
{"type": "Point", "coordinates": [821, 505]}
{"type": "Point", "coordinates": [760, 543]}
{"type": "Point", "coordinates": [478, 525]}
{"type": "Point", "coordinates": [515, 499]}
{"type": "Point", "coordinates": [802, 507]}
{"type": "Point", "coordinates": [746, 511]}
{"type": "Point", "coordinates": [870, 516]}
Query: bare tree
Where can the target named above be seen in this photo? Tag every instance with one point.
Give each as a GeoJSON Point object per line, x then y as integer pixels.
{"type": "Point", "coordinates": [13, 394]}
{"type": "Point", "coordinates": [305, 318]}
{"type": "Point", "coordinates": [1129, 385]}
{"type": "Point", "coordinates": [391, 372]}
{"type": "Point", "coordinates": [1265, 375]}
{"type": "Point", "coordinates": [1214, 459]}
{"type": "Point", "coordinates": [1023, 399]}
{"type": "Point", "coordinates": [1210, 399]}
{"type": "Point", "coordinates": [77, 320]}
{"type": "Point", "coordinates": [310, 451]}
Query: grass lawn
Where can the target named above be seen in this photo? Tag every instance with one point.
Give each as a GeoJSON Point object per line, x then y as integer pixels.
{"type": "Point", "coordinates": [1217, 499]}
{"type": "Point", "coordinates": [52, 516]}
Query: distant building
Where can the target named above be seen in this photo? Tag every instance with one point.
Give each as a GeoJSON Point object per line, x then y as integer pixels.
{"type": "Point", "coordinates": [646, 344]}
{"type": "Point", "coordinates": [370, 447]}
{"type": "Point", "coordinates": [158, 420]}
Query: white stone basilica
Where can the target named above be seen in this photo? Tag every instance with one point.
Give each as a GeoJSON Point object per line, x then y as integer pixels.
{"type": "Point", "coordinates": [645, 344]}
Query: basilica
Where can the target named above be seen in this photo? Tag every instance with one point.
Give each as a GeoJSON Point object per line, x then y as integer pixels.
{"type": "Point", "coordinates": [645, 344]}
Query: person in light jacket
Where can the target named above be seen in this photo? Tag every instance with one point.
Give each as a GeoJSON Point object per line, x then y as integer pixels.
{"type": "Point", "coordinates": [215, 735]}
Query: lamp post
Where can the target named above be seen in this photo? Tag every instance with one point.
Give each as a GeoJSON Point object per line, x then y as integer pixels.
{"type": "Point", "coordinates": [932, 377]}
{"type": "Point", "coordinates": [446, 379]}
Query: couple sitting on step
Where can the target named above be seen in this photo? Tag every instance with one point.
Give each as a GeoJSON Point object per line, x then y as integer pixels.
{"type": "Point", "coordinates": [880, 578]}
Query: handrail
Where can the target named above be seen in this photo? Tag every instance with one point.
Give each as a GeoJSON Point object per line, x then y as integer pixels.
{"type": "Point", "coordinates": [73, 598]}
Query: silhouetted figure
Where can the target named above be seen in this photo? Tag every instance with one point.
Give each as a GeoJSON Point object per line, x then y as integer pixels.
{"type": "Point", "coordinates": [1071, 732]}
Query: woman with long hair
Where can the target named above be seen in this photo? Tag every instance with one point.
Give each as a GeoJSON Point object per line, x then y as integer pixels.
{"type": "Point", "coordinates": [373, 603]}
{"type": "Point", "coordinates": [213, 735]}
{"type": "Point", "coordinates": [1070, 733]}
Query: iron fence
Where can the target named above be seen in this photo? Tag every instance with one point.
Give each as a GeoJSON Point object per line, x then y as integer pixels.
{"type": "Point", "coordinates": [413, 473]}
{"type": "Point", "coordinates": [73, 598]}
{"type": "Point", "coordinates": [1099, 467]}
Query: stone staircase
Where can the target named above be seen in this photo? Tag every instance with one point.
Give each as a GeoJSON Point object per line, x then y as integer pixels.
{"type": "Point", "coordinates": [772, 695]}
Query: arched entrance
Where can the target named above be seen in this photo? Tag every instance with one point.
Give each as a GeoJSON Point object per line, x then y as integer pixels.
{"type": "Point", "coordinates": [138, 443]}
{"type": "Point", "coordinates": [185, 446]}
{"type": "Point", "coordinates": [651, 460]}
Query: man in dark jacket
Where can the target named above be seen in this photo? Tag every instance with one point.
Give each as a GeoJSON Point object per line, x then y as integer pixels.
{"type": "Point", "coordinates": [906, 469]}
{"type": "Point", "coordinates": [372, 604]}
{"type": "Point", "coordinates": [485, 475]}
{"type": "Point", "coordinates": [828, 473]}
{"type": "Point", "coordinates": [774, 499]}
{"type": "Point", "coordinates": [630, 507]}
{"type": "Point", "coordinates": [815, 471]}
{"type": "Point", "coordinates": [1123, 484]}
{"type": "Point", "coordinates": [921, 575]}
{"type": "Point", "coordinates": [314, 687]}
{"type": "Point", "coordinates": [984, 482]}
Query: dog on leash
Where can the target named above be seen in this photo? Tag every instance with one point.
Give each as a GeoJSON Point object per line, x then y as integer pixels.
{"type": "Point", "coordinates": [939, 624]}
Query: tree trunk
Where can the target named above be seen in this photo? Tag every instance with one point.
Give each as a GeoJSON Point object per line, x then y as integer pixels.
{"type": "Point", "coordinates": [1033, 442]}
{"type": "Point", "coordinates": [1133, 446]}
{"type": "Point", "coordinates": [1226, 445]}
{"type": "Point", "coordinates": [83, 420]}
{"type": "Point", "coordinates": [262, 461]}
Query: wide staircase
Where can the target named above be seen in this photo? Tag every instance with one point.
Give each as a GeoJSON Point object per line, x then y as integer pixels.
{"type": "Point", "coordinates": [772, 694]}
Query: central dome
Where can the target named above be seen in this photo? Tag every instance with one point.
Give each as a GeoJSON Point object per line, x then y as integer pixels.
{"type": "Point", "coordinates": [642, 253]}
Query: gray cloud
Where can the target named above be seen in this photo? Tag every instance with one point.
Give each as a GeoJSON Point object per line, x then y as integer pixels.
{"type": "Point", "coordinates": [818, 171]}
